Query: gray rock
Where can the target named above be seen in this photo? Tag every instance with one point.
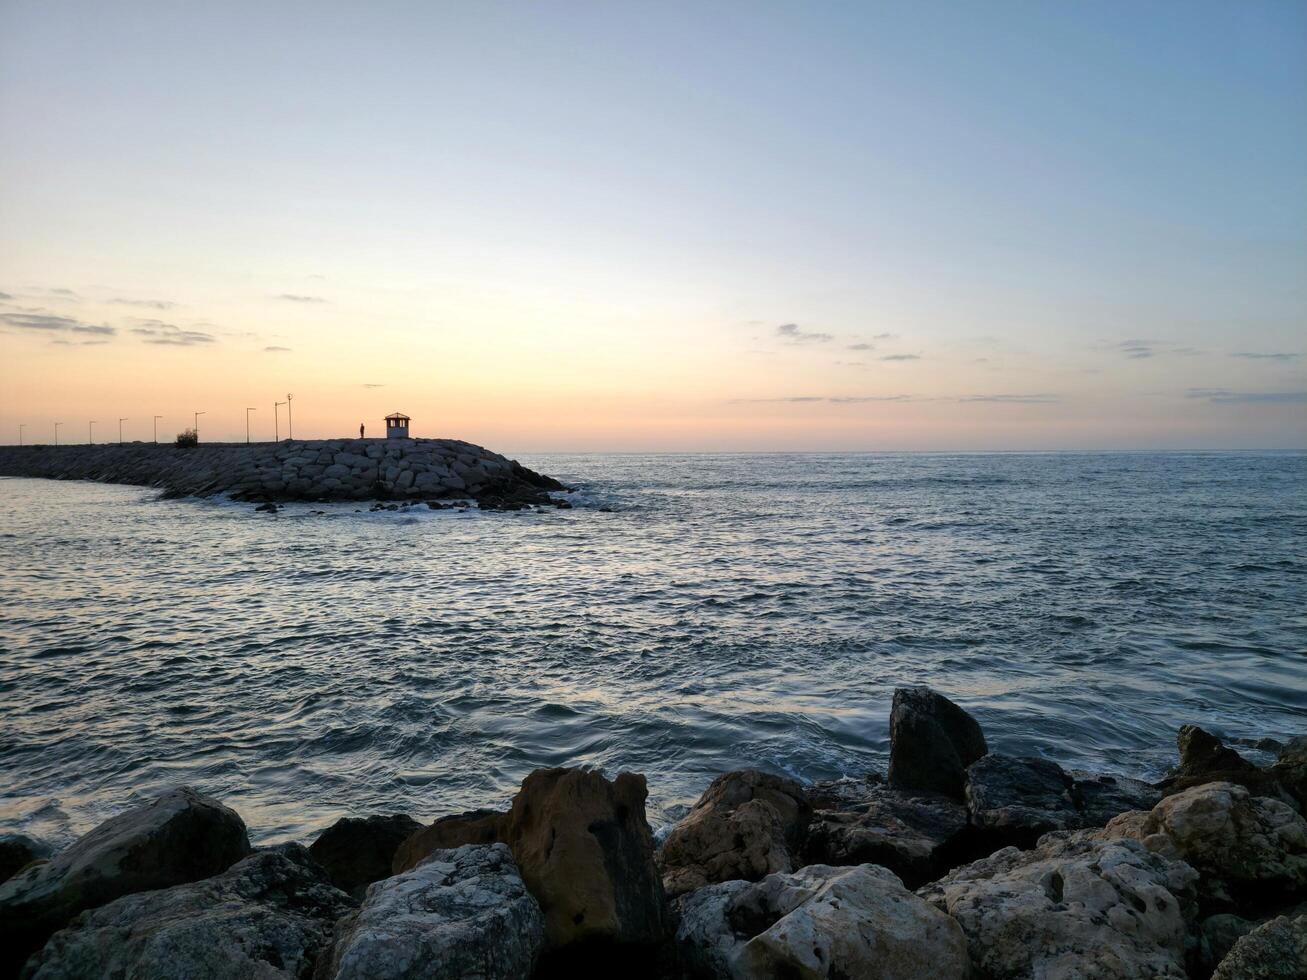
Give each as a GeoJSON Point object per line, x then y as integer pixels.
{"type": "Point", "coordinates": [17, 851]}
{"type": "Point", "coordinates": [180, 837]}
{"type": "Point", "coordinates": [356, 851]}
{"type": "Point", "coordinates": [1100, 797]}
{"type": "Point", "coordinates": [459, 914]}
{"type": "Point", "coordinates": [449, 832]}
{"type": "Point", "coordinates": [267, 917]}
{"type": "Point", "coordinates": [1074, 907]}
{"type": "Point", "coordinates": [1290, 770]}
{"type": "Point", "coordinates": [932, 741]}
{"type": "Point", "coordinates": [819, 922]}
{"type": "Point", "coordinates": [1016, 801]}
{"type": "Point", "coordinates": [1217, 935]}
{"type": "Point", "coordinates": [748, 824]}
{"type": "Point", "coordinates": [1276, 950]}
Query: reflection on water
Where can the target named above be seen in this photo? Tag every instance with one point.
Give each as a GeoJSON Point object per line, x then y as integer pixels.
{"type": "Point", "coordinates": [721, 611]}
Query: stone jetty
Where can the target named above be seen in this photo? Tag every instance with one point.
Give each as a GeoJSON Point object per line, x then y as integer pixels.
{"type": "Point", "coordinates": [314, 469]}
{"type": "Point", "coordinates": [1006, 867]}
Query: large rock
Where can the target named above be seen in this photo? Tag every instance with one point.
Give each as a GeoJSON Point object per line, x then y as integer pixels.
{"type": "Point", "coordinates": [17, 851]}
{"type": "Point", "coordinates": [266, 918]}
{"type": "Point", "coordinates": [819, 922]}
{"type": "Point", "coordinates": [586, 853]}
{"type": "Point", "coordinates": [1073, 907]}
{"type": "Point", "coordinates": [180, 837]}
{"type": "Point", "coordinates": [1276, 950]}
{"type": "Point", "coordinates": [747, 825]}
{"type": "Point", "coordinates": [455, 830]}
{"type": "Point", "coordinates": [356, 851]}
{"type": "Point", "coordinates": [1290, 770]}
{"type": "Point", "coordinates": [932, 741]}
{"type": "Point", "coordinates": [916, 835]}
{"type": "Point", "coordinates": [1099, 797]}
{"type": "Point", "coordinates": [460, 913]}
{"type": "Point", "coordinates": [1016, 801]}
{"type": "Point", "coordinates": [1205, 759]}
{"type": "Point", "coordinates": [1251, 851]}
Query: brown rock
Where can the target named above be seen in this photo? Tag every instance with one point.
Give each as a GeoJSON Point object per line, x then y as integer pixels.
{"type": "Point", "coordinates": [455, 830]}
{"type": "Point", "coordinates": [586, 853]}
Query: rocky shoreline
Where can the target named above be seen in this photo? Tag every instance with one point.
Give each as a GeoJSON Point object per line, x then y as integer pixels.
{"type": "Point", "coordinates": [413, 470]}
{"type": "Point", "coordinates": [958, 863]}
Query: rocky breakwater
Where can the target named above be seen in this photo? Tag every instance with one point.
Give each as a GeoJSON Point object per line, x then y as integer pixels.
{"type": "Point", "coordinates": [963, 864]}
{"type": "Point", "coordinates": [317, 469]}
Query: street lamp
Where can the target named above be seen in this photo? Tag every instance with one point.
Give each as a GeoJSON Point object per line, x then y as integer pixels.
{"type": "Point", "coordinates": [276, 425]}
{"type": "Point", "coordinates": [247, 424]}
{"type": "Point", "coordinates": [290, 424]}
{"type": "Point", "coordinates": [90, 432]}
{"type": "Point", "coordinates": [196, 427]}
{"type": "Point", "coordinates": [120, 430]}
{"type": "Point", "coordinates": [56, 432]}
{"type": "Point", "coordinates": [156, 429]}
{"type": "Point", "coordinates": [21, 427]}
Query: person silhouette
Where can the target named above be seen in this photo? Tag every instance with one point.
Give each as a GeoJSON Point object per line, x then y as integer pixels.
{"type": "Point", "coordinates": [360, 430]}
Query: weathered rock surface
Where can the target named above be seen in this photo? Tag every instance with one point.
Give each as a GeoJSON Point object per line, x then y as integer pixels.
{"type": "Point", "coordinates": [1074, 907]}
{"type": "Point", "coordinates": [932, 741]}
{"type": "Point", "coordinates": [356, 851]}
{"type": "Point", "coordinates": [916, 835]}
{"type": "Point", "coordinates": [819, 922]}
{"type": "Point", "coordinates": [265, 918]}
{"type": "Point", "coordinates": [1099, 797]}
{"type": "Point", "coordinates": [455, 830]}
{"type": "Point", "coordinates": [321, 469]}
{"type": "Point", "coordinates": [1276, 950]}
{"type": "Point", "coordinates": [586, 853]}
{"type": "Point", "coordinates": [747, 825]}
{"type": "Point", "coordinates": [180, 837]}
{"type": "Point", "coordinates": [17, 851]}
{"type": "Point", "coordinates": [1290, 770]}
{"type": "Point", "coordinates": [1205, 759]}
{"type": "Point", "coordinates": [459, 914]}
{"type": "Point", "coordinates": [1251, 851]}
{"type": "Point", "coordinates": [1016, 801]}
{"type": "Point", "coordinates": [1217, 935]}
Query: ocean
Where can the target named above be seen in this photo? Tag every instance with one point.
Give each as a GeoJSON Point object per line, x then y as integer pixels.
{"type": "Point", "coordinates": [692, 614]}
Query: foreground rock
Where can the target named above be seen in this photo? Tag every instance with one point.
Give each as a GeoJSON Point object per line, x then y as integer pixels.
{"type": "Point", "coordinates": [1290, 771]}
{"type": "Point", "coordinates": [819, 922]}
{"type": "Point", "coordinates": [915, 834]}
{"type": "Point", "coordinates": [356, 851]}
{"type": "Point", "coordinates": [17, 851]}
{"type": "Point", "coordinates": [586, 853]}
{"type": "Point", "coordinates": [747, 825]}
{"type": "Point", "coordinates": [455, 830]}
{"type": "Point", "coordinates": [1250, 851]}
{"type": "Point", "coordinates": [932, 741]}
{"type": "Point", "coordinates": [316, 469]}
{"type": "Point", "coordinates": [180, 837]}
{"type": "Point", "coordinates": [460, 913]}
{"type": "Point", "coordinates": [1276, 950]}
{"type": "Point", "coordinates": [267, 917]}
{"type": "Point", "coordinates": [1072, 907]}
{"type": "Point", "coordinates": [1204, 758]}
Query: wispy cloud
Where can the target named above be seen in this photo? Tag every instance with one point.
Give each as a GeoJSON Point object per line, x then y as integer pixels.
{"type": "Point", "coordinates": [78, 343]}
{"type": "Point", "coordinates": [1224, 396]}
{"type": "Point", "coordinates": [792, 333]}
{"type": "Point", "coordinates": [1256, 356]}
{"type": "Point", "coordinates": [171, 335]}
{"type": "Point", "coordinates": [297, 298]}
{"type": "Point", "coordinates": [373, 386]}
{"type": "Point", "coordinates": [1044, 399]}
{"type": "Point", "coordinates": [276, 350]}
{"type": "Point", "coordinates": [4, 296]}
{"type": "Point", "coordinates": [861, 347]}
{"type": "Point", "coordinates": [901, 357]}
{"type": "Point", "coordinates": [144, 304]}
{"type": "Point", "coordinates": [49, 322]}
{"type": "Point", "coordinates": [1139, 349]}
{"type": "Point", "coordinates": [884, 336]}
{"type": "Point", "coordinates": [829, 399]}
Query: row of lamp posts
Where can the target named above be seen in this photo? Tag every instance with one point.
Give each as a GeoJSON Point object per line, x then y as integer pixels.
{"type": "Point", "coordinates": [90, 425]}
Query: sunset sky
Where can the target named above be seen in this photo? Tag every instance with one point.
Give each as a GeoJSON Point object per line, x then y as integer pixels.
{"type": "Point", "coordinates": [680, 226]}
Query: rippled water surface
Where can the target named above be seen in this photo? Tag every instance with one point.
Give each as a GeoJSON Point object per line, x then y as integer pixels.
{"type": "Point", "coordinates": [718, 612]}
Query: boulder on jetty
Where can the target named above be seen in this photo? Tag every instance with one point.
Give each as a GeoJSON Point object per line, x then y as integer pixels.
{"type": "Point", "coordinates": [268, 917]}
{"type": "Point", "coordinates": [1072, 907]}
{"type": "Point", "coordinates": [321, 469]}
{"type": "Point", "coordinates": [460, 913]}
{"type": "Point", "coordinates": [747, 825]}
{"type": "Point", "coordinates": [455, 830]}
{"type": "Point", "coordinates": [932, 741]}
{"type": "Point", "coordinates": [819, 922]}
{"type": "Point", "coordinates": [17, 851]}
{"type": "Point", "coordinates": [1275, 950]}
{"type": "Point", "coordinates": [1251, 851]}
{"type": "Point", "coordinates": [356, 851]}
{"type": "Point", "coordinates": [180, 837]}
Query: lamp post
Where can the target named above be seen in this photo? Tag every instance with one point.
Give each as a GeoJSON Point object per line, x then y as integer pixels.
{"type": "Point", "coordinates": [120, 429]}
{"type": "Point", "coordinates": [196, 428]}
{"type": "Point", "coordinates": [21, 427]}
{"type": "Point", "coordinates": [247, 424]}
{"type": "Point", "coordinates": [276, 423]}
{"type": "Point", "coordinates": [90, 432]}
{"type": "Point", "coordinates": [156, 429]}
{"type": "Point", "coordinates": [56, 432]}
{"type": "Point", "coordinates": [290, 423]}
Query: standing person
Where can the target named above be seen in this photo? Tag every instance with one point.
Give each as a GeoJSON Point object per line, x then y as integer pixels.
{"type": "Point", "coordinates": [360, 430]}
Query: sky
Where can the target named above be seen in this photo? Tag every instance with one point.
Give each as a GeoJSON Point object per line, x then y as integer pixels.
{"type": "Point", "coordinates": [678, 226]}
